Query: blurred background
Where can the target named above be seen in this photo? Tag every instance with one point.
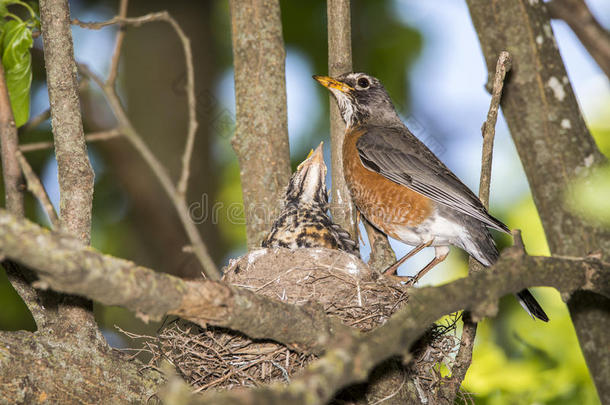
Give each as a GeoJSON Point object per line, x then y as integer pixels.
{"type": "Point", "coordinates": [427, 55]}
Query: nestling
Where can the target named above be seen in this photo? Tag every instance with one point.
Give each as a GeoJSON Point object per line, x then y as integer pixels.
{"type": "Point", "coordinates": [303, 221]}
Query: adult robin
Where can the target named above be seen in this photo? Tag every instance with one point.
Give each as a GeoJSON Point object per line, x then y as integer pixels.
{"type": "Point", "coordinates": [303, 221]}
{"type": "Point", "coordinates": [403, 189]}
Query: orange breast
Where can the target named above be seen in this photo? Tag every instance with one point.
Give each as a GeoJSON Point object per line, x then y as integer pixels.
{"type": "Point", "coordinates": [385, 204]}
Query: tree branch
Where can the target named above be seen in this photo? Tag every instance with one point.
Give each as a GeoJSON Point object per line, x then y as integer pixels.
{"type": "Point", "coordinates": [555, 148]}
{"type": "Point", "coordinates": [261, 133]}
{"type": "Point", "coordinates": [64, 264]}
{"type": "Point", "coordinates": [339, 61]}
{"type": "Point", "coordinates": [350, 361]}
{"type": "Point", "coordinates": [92, 137]}
{"type": "Point", "coordinates": [19, 277]}
{"type": "Point", "coordinates": [588, 30]}
{"type": "Point", "coordinates": [44, 368]}
{"type": "Point", "coordinates": [190, 75]}
{"type": "Point", "coordinates": [176, 195]}
{"type": "Point", "coordinates": [118, 45]}
{"type": "Point", "coordinates": [75, 173]}
{"type": "Point", "coordinates": [35, 186]}
{"type": "Point", "coordinates": [464, 356]}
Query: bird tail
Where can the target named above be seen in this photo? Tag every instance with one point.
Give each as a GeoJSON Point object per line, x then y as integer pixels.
{"type": "Point", "coordinates": [531, 306]}
{"type": "Point", "coordinates": [482, 247]}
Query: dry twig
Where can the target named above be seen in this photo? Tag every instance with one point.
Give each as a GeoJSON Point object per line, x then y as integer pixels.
{"type": "Point", "coordinates": [464, 356]}
{"type": "Point", "coordinates": [37, 189]}
{"type": "Point", "coordinates": [176, 194]}
{"type": "Point", "coordinates": [92, 137]}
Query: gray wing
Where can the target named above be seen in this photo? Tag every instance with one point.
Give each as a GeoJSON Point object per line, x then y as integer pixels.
{"type": "Point", "coordinates": [399, 156]}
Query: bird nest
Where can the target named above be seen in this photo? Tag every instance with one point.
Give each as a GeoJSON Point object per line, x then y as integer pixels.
{"type": "Point", "coordinates": [215, 357]}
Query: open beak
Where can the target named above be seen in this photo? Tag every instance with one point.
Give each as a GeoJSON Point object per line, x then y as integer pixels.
{"type": "Point", "coordinates": [314, 157]}
{"type": "Point", "coordinates": [331, 83]}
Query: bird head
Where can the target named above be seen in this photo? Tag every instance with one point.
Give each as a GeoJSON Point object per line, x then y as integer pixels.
{"type": "Point", "coordinates": [308, 183]}
{"type": "Point", "coordinates": [361, 98]}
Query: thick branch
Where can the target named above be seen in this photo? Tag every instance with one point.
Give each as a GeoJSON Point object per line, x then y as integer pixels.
{"type": "Point", "coordinates": [43, 368]}
{"type": "Point", "coordinates": [592, 35]}
{"type": "Point", "coordinates": [339, 61]}
{"type": "Point", "coordinates": [351, 360]}
{"type": "Point", "coordinates": [261, 134]}
{"type": "Point", "coordinates": [555, 148]}
{"type": "Point", "coordinates": [75, 172]}
{"type": "Point", "coordinates": [64, 264]}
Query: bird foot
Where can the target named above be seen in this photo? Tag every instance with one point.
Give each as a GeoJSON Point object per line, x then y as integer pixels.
{"type": "Point", "coordinates": [408, 281]}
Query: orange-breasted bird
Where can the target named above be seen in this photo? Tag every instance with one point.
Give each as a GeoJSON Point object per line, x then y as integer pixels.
{"type": "Point", "coordinates": [402, 188]}
{"type": "Point", "coordinates": [303, 221]}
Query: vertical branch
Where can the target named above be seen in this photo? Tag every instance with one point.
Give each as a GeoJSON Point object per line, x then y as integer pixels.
{"type": "Point", "coordinates": [11, 173]}
{"type": "Point", "coordinates": [261, 134]}
{"type": "Point", "coordinates": [75, 172]}
{"type": "Point", "coordinates": [555, 148]}
{"type": "Point", "coordinates": [342, 208]}
{"type": "Point", "coordinates": [118, 45]}
{"type": "Point", "coordinates": [19, 276]}
{"type": "Point", "coordinates": [74, 169]}
{"type": "Point", "coordinates": [464, 356]}
{"type": "Point", "coordinates": [339, 61]}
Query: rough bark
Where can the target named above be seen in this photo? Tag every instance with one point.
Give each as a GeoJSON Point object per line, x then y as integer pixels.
{"type": "Point", "coordinates": [65, 264]}
{"type": "Point", "coordinates": [20, 278]}
{"type": "Point", "coordinates": [261, 134]}
{"type": "Point", "coordinates": [342, 208]}
{"type": "Point", "coordinates": [555, 148]}
{"type": "Point", "coordinates": [351, 361]}
{"type": "Point", "coordinates": [11, 172]}
{"type": "Point", "coordinates": [339, 61]}
{"type": "Point", "coordinates": [588, 30]}
{"type": "Point", "coordinates": [75, 173]}
{"type": "Point", "coordinates": [43, 368]}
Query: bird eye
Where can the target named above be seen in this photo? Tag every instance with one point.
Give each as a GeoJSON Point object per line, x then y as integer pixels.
{"type": "Point", "coordinates": [363, 82]}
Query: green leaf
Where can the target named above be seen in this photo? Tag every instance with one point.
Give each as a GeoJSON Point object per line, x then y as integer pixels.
{"type": "Point", "coordinates": [17, 61]}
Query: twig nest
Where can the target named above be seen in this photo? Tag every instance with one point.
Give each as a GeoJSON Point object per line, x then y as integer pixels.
{"type": "Point", "coordinates": [344, 285]}
{"type": "Point", "coordinates": [220, 358]}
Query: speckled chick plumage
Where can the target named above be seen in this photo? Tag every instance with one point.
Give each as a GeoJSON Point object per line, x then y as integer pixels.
{"type": "Point", "coordinates": [303, 221]}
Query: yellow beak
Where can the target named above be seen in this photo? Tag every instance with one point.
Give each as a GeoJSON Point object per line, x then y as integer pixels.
{"type": "Point", "coordinates": [331, 83]}
{"type": "Point", "coordinates": [316, 156]}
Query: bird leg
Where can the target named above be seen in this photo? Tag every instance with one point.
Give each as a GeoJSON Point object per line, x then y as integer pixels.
{"type": "Point", "coordinates": [391, 271]}
{"type": "Point", "coordinates": [440, 254]}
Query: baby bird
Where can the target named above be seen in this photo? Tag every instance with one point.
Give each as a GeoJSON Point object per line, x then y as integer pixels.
{"type": "Point", "coordinates": [303, 221]}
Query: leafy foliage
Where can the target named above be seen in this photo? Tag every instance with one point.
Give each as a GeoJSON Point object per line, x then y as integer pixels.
{"type": "Point", "coordinates": [15, 43]}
